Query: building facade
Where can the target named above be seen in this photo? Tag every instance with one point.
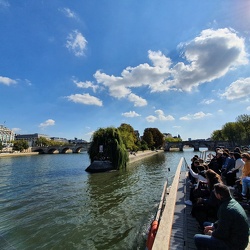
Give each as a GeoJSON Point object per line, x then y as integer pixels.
{"type": "Point", "coordinates": [6, 135]}
{"type": "Point", "coordinates": [31, 138]}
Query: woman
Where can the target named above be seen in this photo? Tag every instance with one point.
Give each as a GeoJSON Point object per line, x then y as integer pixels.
{"type": "Point", "coordinates": [245, 179]}
{"type": "Point", "coordinates": [236, 172]}
{"type": "Point", "coordinates": [206, 207]}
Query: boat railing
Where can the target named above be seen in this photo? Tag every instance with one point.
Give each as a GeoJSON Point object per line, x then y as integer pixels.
{"type": "Point", "coordinates": [163, 229]}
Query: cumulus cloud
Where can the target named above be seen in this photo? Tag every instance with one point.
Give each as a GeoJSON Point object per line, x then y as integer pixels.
{"type": "Point", "coordinates": [207, 57]}
{"type": "Point", "coordinates": [85, 99]}
{"type": "Point", "coordinates": [130, 114]}
{"type": "Point", "coordinates": [76, 43]}
{"type": "Point", "coordinates": [151, 118]}
{"type": "Point", "coordinates": [85, 85]}
{"type": "Point", "coordinates": [198, 115]}
{"type": "Point", "coordinates": [160, 116]}
{"type": "Point", "coordinates": [207, 101]}
{"type": "Point", "coordinates": [248, 108]}
{"type": "Point", "coordinates": [7, 81]}
{"type": "Point", "coordinates": [137, 100]}
{"type": "Point", "coordinates": [238, 90]}
{"type": "Point", "coordinates": [47, 123]}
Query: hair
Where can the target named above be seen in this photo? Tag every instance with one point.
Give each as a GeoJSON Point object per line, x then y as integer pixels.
{"type": "Point", "coordinates": [245, 155]}
{"type": "Point", "coordinates": [213, 178]}
{"type": "Point", "coordinates": [237, 149]}
{"type": "Point", "coordinates": [237, 155]}
{"type": "Point", "coordinates": [222, 190]}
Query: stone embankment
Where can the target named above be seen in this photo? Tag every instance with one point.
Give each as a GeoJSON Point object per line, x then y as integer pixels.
{"type": "Point", "coordinates": [142, 155]}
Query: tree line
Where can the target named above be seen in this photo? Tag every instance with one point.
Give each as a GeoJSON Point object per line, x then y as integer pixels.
{"type": "Point", "coordinates": [237, 132]}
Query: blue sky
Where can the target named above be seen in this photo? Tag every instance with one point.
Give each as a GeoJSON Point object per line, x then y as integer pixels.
{"type": "Point", "coordinates": [68, 68]}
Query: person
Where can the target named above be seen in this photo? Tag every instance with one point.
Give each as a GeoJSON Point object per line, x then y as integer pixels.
{"type": "Point", "coordinates": [245, 175]}
{"type": "Point", "coordinates": [216, 163]}
{"type": "Point", "coordinates": [230, 231]}
{"type": "Point", "coordinates": [233, 177]}
{"type": "Point", "coordinates": [200, 178]}
{"type": "Point", "coordinates": [207, 205]}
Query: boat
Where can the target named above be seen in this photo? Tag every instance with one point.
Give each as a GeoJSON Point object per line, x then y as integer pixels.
{"type": "Point", "coordinates": [99, 166]}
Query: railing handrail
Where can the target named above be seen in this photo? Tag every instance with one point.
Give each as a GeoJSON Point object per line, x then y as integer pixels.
{"type": "Point", "coordinates": [163, 236]}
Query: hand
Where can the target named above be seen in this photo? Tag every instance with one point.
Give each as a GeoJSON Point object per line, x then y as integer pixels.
{"type": "Point", "coordinates": [209, 232]}
{"type": "Point", "coordinates": [207, 229]}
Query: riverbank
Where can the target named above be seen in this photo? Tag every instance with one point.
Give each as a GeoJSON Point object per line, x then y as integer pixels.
{"type": "Point", "coordinates": [142, 155]}
{"type": "Point", "coordinates": [17, 154]}
{"type": "Point", "coordinates": [132, 157]}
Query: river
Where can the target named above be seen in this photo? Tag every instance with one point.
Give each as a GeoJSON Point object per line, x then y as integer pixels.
{"type": "Point", "coordinates": [50, 202]}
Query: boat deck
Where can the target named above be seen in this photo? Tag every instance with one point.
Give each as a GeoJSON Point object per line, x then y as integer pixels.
{"type": "Point", "coordinates": [184, 226]}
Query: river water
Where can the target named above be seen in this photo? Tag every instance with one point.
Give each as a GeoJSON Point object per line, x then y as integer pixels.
{"type": "Point", "coordinates": [50, 202]}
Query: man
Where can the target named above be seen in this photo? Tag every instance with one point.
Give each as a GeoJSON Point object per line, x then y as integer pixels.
{"type": "Point", "coordinates": [231, 230]}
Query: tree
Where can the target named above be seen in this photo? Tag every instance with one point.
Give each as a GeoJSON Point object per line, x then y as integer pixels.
{"type": "Point", "coordinates": [1, 145]}
{"type": "Point", "coordinates": [232, 131]}
{"type": "Point", "coordinates": [106, 143]}
{"type": "Point", "coordinates": [128, 136]}
{"type": "Point", "coordinates": [244, 120]}
{"type": "Point", "coordinates": [153, 137]}
{"type": "Point", "coordinates": [217, 135]}
{"type": "Point", "coordinates": [20, 145]}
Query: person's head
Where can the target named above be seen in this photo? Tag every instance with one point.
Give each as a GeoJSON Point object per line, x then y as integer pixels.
{"type": "Point", "coordinates": [237, 149]}
{"type": "Point", "coordinates": [237, 155]}
{"type": "Point", "coordinates": [245, 157]}
{"type": "Point", "coordinates": [212, 178]}
{"type": "Point", "coordinates": [221, 191]}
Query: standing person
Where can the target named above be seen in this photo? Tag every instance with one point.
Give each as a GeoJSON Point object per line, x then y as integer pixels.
{"type": "Point", "coordinates": [230, 231]}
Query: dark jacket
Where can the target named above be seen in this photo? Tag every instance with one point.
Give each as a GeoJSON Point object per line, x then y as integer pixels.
{"type": "Point", "coordinates": [232, 225]}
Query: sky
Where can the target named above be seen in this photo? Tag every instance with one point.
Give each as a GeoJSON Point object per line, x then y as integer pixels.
{"type": "Point", "coordinates": [68, 68]}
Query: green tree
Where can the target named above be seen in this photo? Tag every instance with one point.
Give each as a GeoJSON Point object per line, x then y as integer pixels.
{"type": "Point", "coordinates": [148, 138]}
{"type": "Point", "coordinates": [217, 135]}
{"type": "Point", "coordinates": [42, 142]}
{"type": "Point", "coordinates": [232, 131]}
{"type": "Point", "coordinates": [106, 143]}
{"type": "Point", "coordinates": [128, 136]}
{"type": "Point", "coordinates": [20, 145]}
{"type": "Point", "coordinates": [244, 120]}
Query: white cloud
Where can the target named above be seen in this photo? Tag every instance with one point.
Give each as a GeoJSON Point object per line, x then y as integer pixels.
{"type": "Point", "coordinates": [7, 81]}
{"type": "Point", "coordinates": [207, 101]}
{"type": "Point", "coordinates": [151, 118]}
{"type": "Point", "coordinates": [248, 108]}
{"type": "Point", "coordinates": [137, 100]}
{"type": "Point", "coordinates": [198, 115]}
{"type": "Point", "coordinates": [85, 99]}
{"type": "Point", "coordinates": [130, 114]}
{"type": "Point", "coordinates": [69, 13]}
{"type": "Point", "coordinates": [238, 89]}
{"type": "Point", "coordinates": [76, 43]}
{"type": "Point", "coordinates": [47, 123]}
{"type": "Point", "coordinates": [205, 58]}
{"type": "Point", "coordinates": [162, 117]}
{"type": "Point", "coordinates": [85, 85]}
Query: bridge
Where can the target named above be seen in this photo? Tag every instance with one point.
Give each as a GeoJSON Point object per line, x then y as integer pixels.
{"type": "Point", "coordinates": [197, 144]}
{"type": "Point", "coordinates": [71, 148]}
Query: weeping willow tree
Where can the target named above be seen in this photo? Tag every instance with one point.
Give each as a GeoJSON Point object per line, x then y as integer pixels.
{"type": "Point", "coordinates": [107, 144]}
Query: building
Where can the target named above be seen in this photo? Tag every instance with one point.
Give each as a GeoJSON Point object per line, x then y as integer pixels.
{"type": "Point", "coordinates": [31, 138]}
{"type": "Point", "coordinates": [6, 135]}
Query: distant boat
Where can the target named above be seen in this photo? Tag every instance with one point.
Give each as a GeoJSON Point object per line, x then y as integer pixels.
{"type": "Point", "coordinates": [100, 166]}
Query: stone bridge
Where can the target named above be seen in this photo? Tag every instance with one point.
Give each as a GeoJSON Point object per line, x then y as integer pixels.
{"type": "Point", "coordinates": [197, 144]}
{"type": "Point", "coordinates": [71, 148]}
